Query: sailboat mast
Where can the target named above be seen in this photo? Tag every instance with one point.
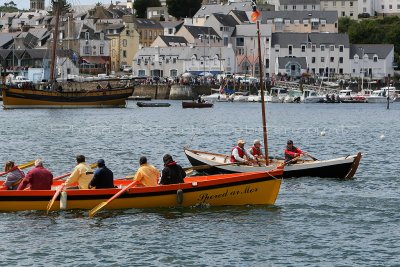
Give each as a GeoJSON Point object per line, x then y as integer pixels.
{"type": "Point", "coordinates": [56, 6]}
{"type": "Point", "coordinates": [264, 122]}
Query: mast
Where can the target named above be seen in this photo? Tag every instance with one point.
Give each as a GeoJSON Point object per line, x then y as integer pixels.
{"type": "Point", "coordinates": [56, 6]}
{"type": "Point", "coordinates": [262, 96]}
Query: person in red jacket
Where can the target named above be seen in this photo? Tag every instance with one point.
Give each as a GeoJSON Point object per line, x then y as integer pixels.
{"type": "Point", "coordinates": [292, 152]}
{"type": "Point", "coordinates": [39, 178]}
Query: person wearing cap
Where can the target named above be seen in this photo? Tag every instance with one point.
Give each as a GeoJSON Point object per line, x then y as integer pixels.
{"type": "Point", "coordinates": [292, 152]}
{"type": "Point", "coordinates": [14, 176]}
{"type": "Point", "coordinates": [146, 175]}
{"type": "Point", "coordinates": [81, 174]}
{"type": "Point", "coordinates": [238, 153]}
{"type": "Point", "coordinates": [103, 177]}
{"type": "Point", "coordinates": [172, 172]}
{"type": "Point", "coordinates": [255, 150]}
{"type": "Point", "coordinates": [39, 178]}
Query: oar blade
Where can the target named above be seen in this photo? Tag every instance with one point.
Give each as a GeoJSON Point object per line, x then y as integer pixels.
{"type": "Point", "coordinates": [93, 211]}
{"type": "Point", "coordinates": [58, 191]}
{"type": "Point", "coordinates": [27, 165]}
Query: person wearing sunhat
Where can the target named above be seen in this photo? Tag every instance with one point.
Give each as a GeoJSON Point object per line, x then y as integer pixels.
{"type": "Point", "coordinates": [172, 172]}
{"type": "Point", "coordinates": [255, 150]}
{"type": "Point", "coordinates": [292, 152]}
{"type": "Point", "coordinates": [238, 153]}
{"type": "Point", "coordinates": [103, 177]}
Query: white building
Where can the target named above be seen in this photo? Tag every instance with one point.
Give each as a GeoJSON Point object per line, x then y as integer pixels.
{"type": "Point", "coordinates": [344, 8]}
{"type": "Point", "coordinates": [325, 53]}
{"type": "Point", "coordinates": [174, 61]}
{"type": "Point", "coordinates": [299, 5]}
{"type": "Point", "coordinates": [371, 60]}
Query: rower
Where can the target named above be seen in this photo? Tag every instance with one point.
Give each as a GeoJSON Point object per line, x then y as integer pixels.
{"type": "Point", "coordinates": [238, 152]}
{"type": "Point", "coordinates": [292, 152]}
{"type": "Point", "coordinates": [255, 150]}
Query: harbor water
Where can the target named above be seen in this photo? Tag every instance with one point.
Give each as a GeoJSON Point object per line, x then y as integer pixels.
{"type": "Point", "coordinates": [315, 221]}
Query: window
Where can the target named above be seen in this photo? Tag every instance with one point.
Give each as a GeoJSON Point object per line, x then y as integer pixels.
{"type": "Point", "coordinates": [354, 70]}
{"type": "Point", "coordinates": [290, 49]}
{"type": "Point", "coordinates": [149, 34]}
{"type": "Point", "coordinates": [313, 48]}
{"type": "Point", "coordinates": [86, 36]}
{"type": "Point", "coordinates": [343, 3]}
{"type": "Point", "coordinates": [173, 73]}
{"type": "Point", "coordinates": [351, 3]}
{"type": "Point", "coordinates": [174, 60]}
{"type": "Point", "coordinates": [334, 3]}
{"type": "Point", "coordinates": [398, 6]}
{"type": "Point", "coordinates": [332, 59]}
{"type": "Point", "coordinates": [343, 14]}
{"type": "Point", "coordinates": [303, 48]}
{"type": "Point", "coordinates": [364, 10]}
{"type": "Point", "coordinates": [351, 14]}
{"type": "Point", "coordinates": [124, 53]}
{"type": "Point", "coordinates": [322, 59]}
{"type": "Point", "coordinates": [101, 49]}
{"type": "Point", "coordinates": [285, 7]}
{"type": "Point", "coordinates": [332, 48]}
{"type": "Point", "coordinates": [127, 32]}
{"type": "Point", "coordinates": [225, 41]}
{"type": "Point", "coordinates": [305, 7]}
{"type": "Point", "coordinates": [383, 7]}
{"type": "Point", "coordinates": [124, 43]}
{"type": "Point", "coordinates": [341, 47]}
{"type": "Point", "coordinates": [294, 7]}
{"type": "Point", "coordinates": [390, 7]}
{"type": "Point", "coordinates": [102, 36]}
{"type": "Point", "coordinates": [313, 7]}
{"type": "Point", "coordinates": [239, 41]}
{"type": "Point", "coordinates": [86, 50]}
{"type": "Point", "coordinates": [340, 71]}
{"type": "Point", "coordinates": [141, 73]}
{"type": "Point", "coordinates": [170, 31]}
{"type": "Point", "coordinates": [375, 58]}
{"type": "Point", "coordinates": [340, 59]}
{"type": "Point", "coordinates": [313, 60]}
{"type": "Point", "coordinates": [322, 47]}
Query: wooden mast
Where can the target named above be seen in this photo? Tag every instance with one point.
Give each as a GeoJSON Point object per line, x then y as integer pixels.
{"type": "Point", "coordinates": [262, 95]}
{"type": "Point", "coordinates": [56, 6]}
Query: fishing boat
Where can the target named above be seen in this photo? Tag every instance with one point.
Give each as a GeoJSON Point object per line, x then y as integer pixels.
{"type": "Point", "coordinates": [150, 105]}
{"type": "Point", "coordinates": [21, 93]}
{"type": "Point", "coordinates": [14, 97]}
{"type": "Point", "coordinates": [257, 188]}
{"type": "Point", "coordinates": [197, 105]}
{"type": "Point", "coordinates": [343, 167]}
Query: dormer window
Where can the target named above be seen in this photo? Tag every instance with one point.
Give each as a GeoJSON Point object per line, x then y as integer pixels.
{"type": "Point", "coordinates": [86, 36]}
{"type": "Point", "coordinates": [375, 58]}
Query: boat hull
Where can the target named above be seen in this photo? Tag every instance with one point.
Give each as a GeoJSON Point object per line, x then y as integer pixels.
{"type": "Point", "coordinates": [235, 189]}
{"type": "Point", "coordinates": [151, 105]}
{"type": "Point", "coordinates": [28, 98]}
{"type": "Point", "coordinates": [334, 168]}
{"type": "Point", "coordinates": [196, 105]}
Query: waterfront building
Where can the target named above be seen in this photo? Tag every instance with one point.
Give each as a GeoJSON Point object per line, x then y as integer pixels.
{"type": "Point", "coordinates": [174, 61]}
{"type": "Point", "coordinates": [300, 5]}
{"type": "Point", "coordinates": [344, 8]}
{"type": "Point", "coordinates": [37, 5]}
{"type": "Point", "coordinates": [326, 53]}
{"type": "Point", "coordinates": [301, 21]}
{"type": "Point", "coordinates": [148, 30]}
{"type": "Point", "coordinates": [200, 36]}
{"type": "Point", "coordinates": [371, 60]}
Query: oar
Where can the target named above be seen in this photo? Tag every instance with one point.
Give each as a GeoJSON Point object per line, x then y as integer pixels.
{"type": "Point", "coordinates": [92, 166]}
{"type": "Point", "coordinates": [58, 191]}
{"type": "Point", "coordinates": [314, 159]}
{"type": "Point", "coordinates": [22, 166]}
{"type": "Point", "coordinates": [290, 161]}
{"type": "Point", "coordinates": [99, 207]}
{"type": "Point", "coordinates": [206, 166]}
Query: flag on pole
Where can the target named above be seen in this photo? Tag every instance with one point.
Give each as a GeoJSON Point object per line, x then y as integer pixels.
{"type": "Point", "coordinates": [255, 14]}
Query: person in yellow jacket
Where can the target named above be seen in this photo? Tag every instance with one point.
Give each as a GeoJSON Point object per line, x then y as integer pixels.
{"type": "Point", "coordinates": [146, 175]}
{"type": "Point", "coordinates": [82, 174]}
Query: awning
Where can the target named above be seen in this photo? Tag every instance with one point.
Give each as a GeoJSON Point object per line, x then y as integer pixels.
{"type": "Point", "coordinates": [96, 60]}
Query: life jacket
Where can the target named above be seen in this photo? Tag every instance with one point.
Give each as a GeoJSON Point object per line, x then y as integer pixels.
{"type": "Point", "coordinates": [240, 152]}
{"type": "Point", "coordinates": [255, 151]}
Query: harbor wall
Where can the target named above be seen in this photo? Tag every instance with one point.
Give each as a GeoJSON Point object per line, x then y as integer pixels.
{"type": "Point", "coordinates": [173, 92]}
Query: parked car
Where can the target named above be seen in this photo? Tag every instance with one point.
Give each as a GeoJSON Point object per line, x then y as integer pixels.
{"type": "Point", "coordinates": [126, 68]}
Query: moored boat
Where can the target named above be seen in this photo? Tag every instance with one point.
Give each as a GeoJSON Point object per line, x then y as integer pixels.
{"type": "Point", "coordinates": [144, 104]}
{"type": "Point", "coordinates": [32, 98]}
{"type": "Point", "coordinates": [257, 188]}
{"type": "Point", "coordinates": [196, 105]}
{"type": "Point", "coordinates": [343, 167]}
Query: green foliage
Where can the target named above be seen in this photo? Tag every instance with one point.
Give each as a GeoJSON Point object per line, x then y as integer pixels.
{"type": "Point", "coordinates": [9, 7]}
{"type": "Point", "coordinates": [183, 8]}
{"type": "Point", "coordinates": [141, 6]}
{"type": "Point", "coordinates": [65, 7]}
{"type": "Point", "coordinates": [373, 31]}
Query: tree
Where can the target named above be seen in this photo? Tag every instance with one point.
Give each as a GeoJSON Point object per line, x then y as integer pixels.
{"type": "Point", "coordinates": [9, 7]}
{"type": "Point", "coordinates": [64, 6]}
{"type": "Point", "coordinates": [141, 6]}
{"type": "Point", "coordinates": [183, 8]}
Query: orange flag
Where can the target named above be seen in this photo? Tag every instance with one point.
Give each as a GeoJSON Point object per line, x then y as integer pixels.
{"type": "Point", "coordinates": [255, 14]}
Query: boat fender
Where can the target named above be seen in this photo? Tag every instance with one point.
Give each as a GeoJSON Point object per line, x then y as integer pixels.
{"type": "Point", "coordinates": [179, 196]}
{"type": "Point", "coordinates": [63, 200]}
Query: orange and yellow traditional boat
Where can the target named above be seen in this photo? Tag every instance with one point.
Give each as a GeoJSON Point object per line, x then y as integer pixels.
{"type": "Point", "coordinates": [258, 188]}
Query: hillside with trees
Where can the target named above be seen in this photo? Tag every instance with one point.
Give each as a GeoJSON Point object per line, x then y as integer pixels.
{"type": "Point", "coordinates": [373, 31]}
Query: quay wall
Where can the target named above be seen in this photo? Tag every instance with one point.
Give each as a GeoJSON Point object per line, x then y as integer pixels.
{"type": "Point", "coordinates": [173, 92]}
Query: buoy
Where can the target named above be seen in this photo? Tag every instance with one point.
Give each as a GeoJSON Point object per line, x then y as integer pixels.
{"type": "Point", "coordinates": [323, 133]}
{"type": "Point", "coordinates": [382, 137]}
{"type": "Point", "coordinates": [63, 200]}
{"type": "Point", "coordinates": [179, 196]}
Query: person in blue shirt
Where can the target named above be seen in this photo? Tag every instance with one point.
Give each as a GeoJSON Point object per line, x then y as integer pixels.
{"type": "Point", "coordinates": [103, 177]}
